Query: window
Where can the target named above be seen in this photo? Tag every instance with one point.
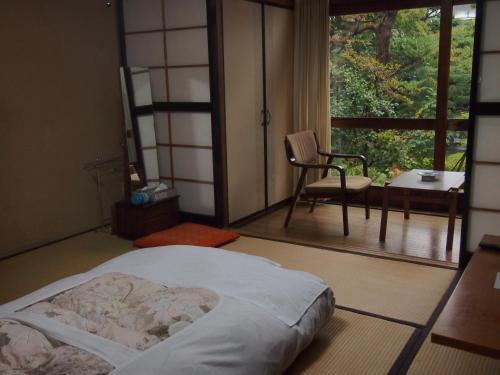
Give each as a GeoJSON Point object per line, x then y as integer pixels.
{"type": "Point", "coordinates": [384, 72]}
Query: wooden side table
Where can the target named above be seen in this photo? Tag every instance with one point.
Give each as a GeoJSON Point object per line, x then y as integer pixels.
{"type": "Point", "coordinates": [408, 182]}
{"type": "Point", "coordinates": [132, 222]}
{"type": "Point", "coordinates": [470, 320]}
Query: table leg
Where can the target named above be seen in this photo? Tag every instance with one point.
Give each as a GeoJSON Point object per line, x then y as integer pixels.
{"type": "Point", "coordinates": [406, 203]}
{"type": "Point", "coordinates": [385, 209]}
{"type": "Point", "coordinates": [451, 219]}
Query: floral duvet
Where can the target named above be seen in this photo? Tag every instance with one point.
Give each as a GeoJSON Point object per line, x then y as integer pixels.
{"type": "Point", "coordinates": [125, 309]}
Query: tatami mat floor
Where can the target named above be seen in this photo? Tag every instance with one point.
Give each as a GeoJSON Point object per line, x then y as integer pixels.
{"type": "Point", "coordinates": [384, 304]}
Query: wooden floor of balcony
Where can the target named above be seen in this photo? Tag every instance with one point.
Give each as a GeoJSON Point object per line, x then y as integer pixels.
{"type": "Point", "coordinates": [421, 239]}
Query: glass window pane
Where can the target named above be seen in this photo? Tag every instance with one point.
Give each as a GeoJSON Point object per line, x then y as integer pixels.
{"type": "Point", "coordinates": [462, 44]}
{"type": "Point", "coordinates": [385, 64]}
{"type": "Point", "coordinates": [456, 144]}
{"type": "Point", "coordinates": [389, 152]}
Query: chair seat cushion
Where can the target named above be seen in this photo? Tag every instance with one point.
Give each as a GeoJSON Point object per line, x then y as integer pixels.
{"type": "Point", "coordinates": [331, 184]}
{"type": "Point", "coordinates": [188, 234]}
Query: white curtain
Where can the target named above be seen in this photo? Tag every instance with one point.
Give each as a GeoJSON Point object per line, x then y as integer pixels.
{"type": "Point", "coordinates": [311, 73]}
{"type": "Point", "coordinates": [311, 69]}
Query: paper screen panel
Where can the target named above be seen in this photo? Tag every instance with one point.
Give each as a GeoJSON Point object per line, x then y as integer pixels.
{"type": "Point", "coordinates": [187, 47]}
{"type": "Point", "coordinates": [487, 139]}
{"type": "Point", "coordinates": [164, 161]}
{"type": "Point", "coordinates": [142, 15]}
{"type": "Point", "coordinates": [142, 87]}
{"type": "Point", "coordinates": [161, 125]}
{"type": "Point", "coordinates": [491, 26]}
{"type": "Point", "coordinates": [185, 13]}
{"type": "Point", "coordinates": [193, 163]}
{"type": "Point", "coordinates": [191, 128]}
{"type": "Point", "coordinates": [150, 158]}
{"type": "Point", "coordinates": [189, 84]}
{"type": "Point", "coordinates": [489, 86]}
{"type": "Point", "coordinates": [147, 131]}
{"type": "Point", "coordinates": [145, 49]}
{"type": "Point", "coordinates": [485, 191]}
{"type": "Point", "coordinates": [481, 223]}
{"type": "Point", "coordinates": [158, 84]}
{"type": "Point", "coordinates": [195, 197]}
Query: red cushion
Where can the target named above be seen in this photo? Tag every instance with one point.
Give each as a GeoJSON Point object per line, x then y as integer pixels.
{"type": "Point", "coordinates": [188, 234]}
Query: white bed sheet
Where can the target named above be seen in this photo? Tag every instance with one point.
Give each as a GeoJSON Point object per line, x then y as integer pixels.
{"type": "Point", "coordinates": [266, 316]}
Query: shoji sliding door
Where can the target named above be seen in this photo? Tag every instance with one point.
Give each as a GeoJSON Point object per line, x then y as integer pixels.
{"type": "Point", "coordinates": [170, 38]}
{"type": "Point", "coordinates": [484, 209]}
{"type": "Point", "coordinates": [279, 87]}
{"type": "Point", "coordinates": [258, 70]}
{"type": "Point", "coordinates": [244, 104]}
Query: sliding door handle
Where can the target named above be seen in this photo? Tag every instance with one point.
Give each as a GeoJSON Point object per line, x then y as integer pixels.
{"type": "Point", "coordinates": [268, 117]}
{"type": "Point", "coordinates": [263, 121]}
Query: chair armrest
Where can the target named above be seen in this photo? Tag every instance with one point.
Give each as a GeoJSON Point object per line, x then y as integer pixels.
{"type": "Point", "coordinates": [339, 168]}
{"type": "Point", "coordinates": [332, 156]}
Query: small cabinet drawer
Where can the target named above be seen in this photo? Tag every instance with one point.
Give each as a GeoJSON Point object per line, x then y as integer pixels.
{"type": "Point", "coordinates": [131, 221]}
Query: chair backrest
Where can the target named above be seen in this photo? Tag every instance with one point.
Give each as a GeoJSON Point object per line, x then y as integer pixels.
{"type": "Point", "coordinates": [302, 146]}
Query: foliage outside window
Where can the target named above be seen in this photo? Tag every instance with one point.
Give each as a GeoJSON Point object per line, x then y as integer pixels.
{"type": "Point", "coordinates": [384, 65]}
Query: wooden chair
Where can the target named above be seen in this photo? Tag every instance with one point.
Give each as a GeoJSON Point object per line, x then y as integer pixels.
{"type": "Point", "coordinates": [302, 150]}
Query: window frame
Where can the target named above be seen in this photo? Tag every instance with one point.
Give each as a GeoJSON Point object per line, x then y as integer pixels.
{"type": "Point", "coordinates": [441, 124]}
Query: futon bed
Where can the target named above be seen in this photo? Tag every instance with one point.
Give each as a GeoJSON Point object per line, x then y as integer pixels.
{"type": "Point", "coordinates": [166, 310]}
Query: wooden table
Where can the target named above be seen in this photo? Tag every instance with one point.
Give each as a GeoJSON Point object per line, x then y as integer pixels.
{"type": "Point", "coordinates": [471, 319]}
{"type": "Point", "coordinates": [411, 181]}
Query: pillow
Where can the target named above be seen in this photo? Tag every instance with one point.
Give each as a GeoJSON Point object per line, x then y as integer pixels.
{"type": "Point", "coordinates": [188, 234]}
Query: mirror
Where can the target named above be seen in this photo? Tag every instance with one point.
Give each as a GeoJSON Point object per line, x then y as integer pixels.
{"type": "Point", "coordinates": [139, 127]}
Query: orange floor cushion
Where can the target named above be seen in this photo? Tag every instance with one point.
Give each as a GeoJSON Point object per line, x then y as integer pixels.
{"type": "Point", "coordinates": [188, 234]}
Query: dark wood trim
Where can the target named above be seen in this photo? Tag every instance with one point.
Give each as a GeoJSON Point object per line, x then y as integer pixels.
{"type": "Point", "coordinates": [482, 209]}
{"type": "Point", "coordinates": [187, 66]}
{"type": "Point", "coordinates": [443, 83]}
{"type": "Point", "coordinates": [194, 181]}
{"type": "Point", "coordinates": [120, 20]}
{"type": "Point", "coordinates": [345, 7]}
{"type": "Point", "coordinates": [487, 109]}
{"type": "Point", "coordinates": [464, 236]}
{"type": "Point", "coordinates": [406, 352]}
{"type": "Point", "coordinates": [491, 52]}
{"type": "Point", "coordinates": [198, 218]}
{"type": "Point", "coordinates": [183, 146]}
{"type": "Point", "coordinates": [265, 110]}
{"type": "Point", "coordinates": [396, 123]}
{"type": "Point", "coordinates": [494, 163]}
{"type": "Point", "coordinates": [142, 110]}
{"type": "Point", "coordinates": [459, 124]}
{"type": "Point", "coordinates": [121, 32]}
{"type": "Point", "coordinates": [378, 316]}
{"type": "Point", "coordinates": [167, 90]}
{"type": "Point", "coordinates": [183, 106]}
{"type": "Point", "coordinates": [48, 243]}
{"type": "Point", "coordinates": [288, 4]}
{"type": "Point", "coordinates": [382, 123]}
{"type": "Point", "coordinates": [135, 126]}
{"type": "Point", "coordinates": [404, 361]}
{"type": "Point", "coordinates": [165, 30]}
{"type": "Point", "coordinates": [252, 217]}
{"type": "Point", "coordinates": [218, 98]}
{"type": "Point", "coordinates": [373, 254]}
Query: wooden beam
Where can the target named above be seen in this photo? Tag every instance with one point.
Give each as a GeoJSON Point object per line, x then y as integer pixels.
{"type": "Point", "coordinates": [396, 123]}
{"type": "Point", "coordinates": [218, 97]}
{"type": "Point", "coordinates": [443, 82]}
{"type": "Point", "coordinates": [382, 123]}
{"type": "Point", "coordinates": [290, 4]}
{"type": "Point", "coordinates": [344, 7]}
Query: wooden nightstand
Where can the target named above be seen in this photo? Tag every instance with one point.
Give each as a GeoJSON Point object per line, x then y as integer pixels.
{"type": "Point", "coordinates": [132, 222]}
